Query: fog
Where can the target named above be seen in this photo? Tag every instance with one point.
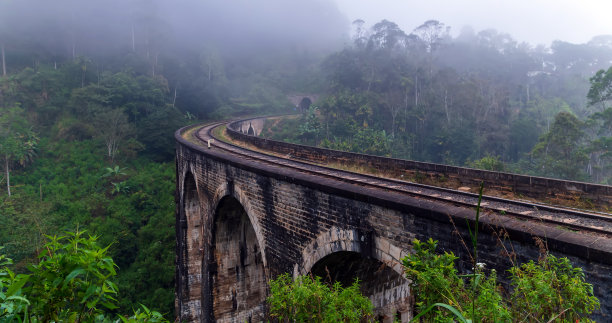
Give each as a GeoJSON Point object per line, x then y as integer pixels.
{"type": "Point", "coordinates": [241, 28]}
{"type": "Point", "coordinates": [215, 51]}
{"type": "Point", "coordinates": [68, 27]}
{"type": "Point", "coordinates": [536, 22]}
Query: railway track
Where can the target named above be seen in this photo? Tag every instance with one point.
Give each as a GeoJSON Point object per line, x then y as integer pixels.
{"type": "Point", "coordinates": [598, 223]}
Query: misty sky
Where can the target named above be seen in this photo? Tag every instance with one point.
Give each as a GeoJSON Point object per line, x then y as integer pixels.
{"type": "Point", "coordinates": [533, 21]}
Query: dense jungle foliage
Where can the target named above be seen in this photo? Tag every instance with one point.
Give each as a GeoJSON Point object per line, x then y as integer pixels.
{"type": "Point", "coordinates": [481, 99]}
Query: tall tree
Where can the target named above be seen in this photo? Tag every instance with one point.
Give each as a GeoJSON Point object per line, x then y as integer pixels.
{"type": "Point", "coordinates": [3, 60]}
{"type": "Point", "coordinates": [113, 128]}
{"type": "Point", "coordinates": [559, 152]}
{"type": "Point", "coordinates": [17, 141]}
{"type": "Point", "coordinates": [601, 88]}
{"type": "Point", "coordinates": [432, 32]}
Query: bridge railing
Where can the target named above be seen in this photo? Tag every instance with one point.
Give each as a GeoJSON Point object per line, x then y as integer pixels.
{"type": "Point", "coordinates": [541, 188]}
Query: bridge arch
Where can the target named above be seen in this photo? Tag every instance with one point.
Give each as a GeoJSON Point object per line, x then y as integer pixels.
{"type": "Point", "coordinates": [236, 265]}
{"type": "Point", "coordinates": [229, 189]}
{"type": "Point", "coordinates": [338, 255]}
{"type": "Point", "coordinates": [338, 239]}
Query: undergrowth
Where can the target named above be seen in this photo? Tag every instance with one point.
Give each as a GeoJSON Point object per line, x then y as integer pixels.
{"type": "Point", "coordinates": [547, 290]}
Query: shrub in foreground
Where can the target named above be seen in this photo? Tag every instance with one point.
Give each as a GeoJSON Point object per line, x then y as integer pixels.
{"type": "Point", "coordinates": [550, 289]}
{"type": "Point", "coordinates": [71, 283]}
{"type": "Point", "coordinates": [307, 299]}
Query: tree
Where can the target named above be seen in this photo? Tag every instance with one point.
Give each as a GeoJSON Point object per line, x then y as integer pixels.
{"type": "Point", "coordinates": [3, 59]}
{"type": "Point", "coordinates": [559, 152]}
{"type": "Point", "coordinates": [310, 129]}
{"type": "Point", "coordinates": [432, 32]}
{"type": "Point", "coordinates": [359, 35]}
{"type": "Point", "coordinates": [488, 163]}
{"type": "Point", "coordinates": [599, 129]}
{"type": "Point", "coordinates": [113, 128]}
{"type": "Point", "coordinates": [601, 88]}
{"type": "Point", "coordinates": [386, 35]}
{"type": "Point", "coordinates": [17, 141]}
{"type": "Point", "coordinates": [394, 100]}
{"type": "Point", "coordinates": [373, 142]}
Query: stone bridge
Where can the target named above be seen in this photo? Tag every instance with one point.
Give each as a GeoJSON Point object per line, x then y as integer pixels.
{"type": "Point", "coordinates": [241, 221]}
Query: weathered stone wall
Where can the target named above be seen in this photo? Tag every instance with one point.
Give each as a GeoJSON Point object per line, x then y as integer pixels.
{"type": "Point", "coordinates": [298, 220]}
{"type": "Point", "coordinates": [528, 186]}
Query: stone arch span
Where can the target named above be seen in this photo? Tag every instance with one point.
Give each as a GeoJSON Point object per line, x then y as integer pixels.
{"type": "Point", "coordinates": [338, 254]}
{"type": "Point", "coordinates": [229, 189]}
{"type": "Point", "coordinates": [237, 273]}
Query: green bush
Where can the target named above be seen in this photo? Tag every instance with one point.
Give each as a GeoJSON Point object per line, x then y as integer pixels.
{"type": "Point", "coordinates": [435, 279]}
{"type": "Point", "coordinates": [551, 288]}
{"type": "Point", "coordinates": [307, 299]}
{"type": "Point", "coordinates": [71, 283]}
{"type": "Point", "coordinates": [548, 290]}
{"type": "Point", "coordinates": [488, 163]}
{"type": "Point", "coordinates": [12, 302]}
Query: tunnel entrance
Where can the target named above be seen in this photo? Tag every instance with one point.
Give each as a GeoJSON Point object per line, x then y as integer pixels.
{"type": "Point", "coordinates": [388, 290]}
{"type": "Point", "coordinates": [305, 104]}
{"type": "Point", "coordinates": [238, 283]}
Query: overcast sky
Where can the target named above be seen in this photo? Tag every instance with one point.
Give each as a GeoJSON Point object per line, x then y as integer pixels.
{"type": "Point", "coordinates": [533, 21]}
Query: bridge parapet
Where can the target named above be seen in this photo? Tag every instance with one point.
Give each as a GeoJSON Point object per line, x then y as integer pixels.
{"type": "Point", "coordinates": [598, 197]}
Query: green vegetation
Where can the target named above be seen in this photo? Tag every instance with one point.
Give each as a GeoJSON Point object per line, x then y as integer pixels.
{"type": "Point", "coordinates": [549, 290]}
{"type": "Point", "coordinates": [307, 299]}
{"type": "Point", "coordinates": [17, 141]}
{"type": "Point", "coordinates": [71, 282]}
{"type": "Point", "coordinates": [488, 163]}
{"type": "Point", "coordinates": [98, 155]}
{"type": "Point", "coordinates": [69, 186]}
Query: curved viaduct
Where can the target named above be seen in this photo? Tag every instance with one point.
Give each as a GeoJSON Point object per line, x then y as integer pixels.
{"type": "Point", "coordinates": [244, 217]}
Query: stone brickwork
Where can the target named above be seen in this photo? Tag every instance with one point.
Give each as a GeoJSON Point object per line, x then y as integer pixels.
{"type": "Point", "coordinates": [240, 224]}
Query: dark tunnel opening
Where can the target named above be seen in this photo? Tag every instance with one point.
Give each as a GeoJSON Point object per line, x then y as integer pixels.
{"type": "Point", "coordinates": [305, 104]}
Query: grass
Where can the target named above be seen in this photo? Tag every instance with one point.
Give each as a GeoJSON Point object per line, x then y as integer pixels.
{"type": "Point", "coordinates": [221, 133]}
